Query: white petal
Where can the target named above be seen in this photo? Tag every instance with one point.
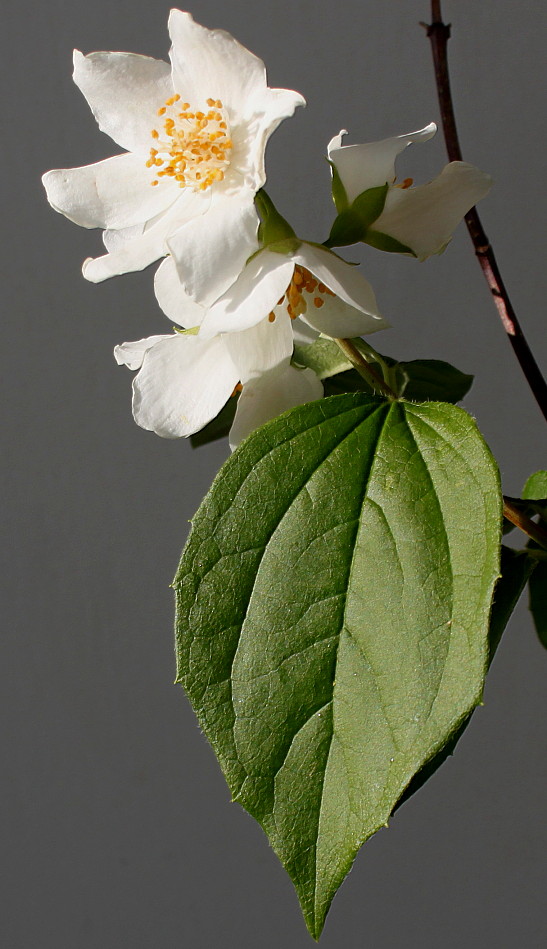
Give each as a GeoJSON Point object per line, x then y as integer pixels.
{"type": "Point", "coordinates": [337, 319]}
{"type": "Point", "coordinates": [113, 240]}
{"type": "Point", "coordinates": [124, 91]}
{"type": "Point", "coordinates": [210, 252]}
{"type": "Point", "coordinates": [138, 251]}
{"type": "Point", "coordinates": [425, 217]}
{"type": "Point", "coordinates": [268, 395]}
{"type": "Point", "coordinates": [132, 354]}
{"type": "Point", "coordinates": [262, 347]}
{"type": "Point", "coordinates": [183, 384]}
{"type": "Point", "coordinates": [211, 63]}
{"type": "Point", "coordinates": [252, 297]}
{"type": "Point", "coordinates": [261, 116]}
{"type": "Point", "coordinates": [303, 333]}
{"type": "Point", "coordinates": [172, 297]}
{"type": "Point", "coordinates": [349, 285]}
{"type": "Point", "coordinates": [370, 165]}
{"type": "Point", "coordinates": [114, 193]}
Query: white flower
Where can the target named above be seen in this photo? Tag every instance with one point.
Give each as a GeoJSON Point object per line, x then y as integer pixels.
{"type": "Point", "coordinates": [184, 380]}
{"type": "Point", "coordinates": [195, 134]}
{"type": "Point", "coordinates": [422, 218]}
{"type": "Point", "coordinates": [309, 283]}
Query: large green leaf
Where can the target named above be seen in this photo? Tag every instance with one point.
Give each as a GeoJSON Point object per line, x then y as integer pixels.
{"type": "Point", "coordinates": [332, 617]}
{"type": "Point", "coordinates": [516, 567]}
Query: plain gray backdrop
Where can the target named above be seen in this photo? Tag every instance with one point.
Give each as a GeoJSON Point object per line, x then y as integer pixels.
{"type": "Point", "coordinates": [119, 828]}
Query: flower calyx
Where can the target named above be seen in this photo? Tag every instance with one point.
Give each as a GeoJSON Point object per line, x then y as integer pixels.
{"type": "Point", "coordinates": [353, 223]}
{"type": "Point", "coordinates": [274, 232]}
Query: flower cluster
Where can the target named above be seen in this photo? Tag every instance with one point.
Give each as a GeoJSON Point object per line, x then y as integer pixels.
{"type": "Point", "coordinates": [194, 133]}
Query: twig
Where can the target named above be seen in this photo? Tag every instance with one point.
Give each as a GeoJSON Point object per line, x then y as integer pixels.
{"type": "Point", "coordinates": [536, 531]}
{"type": "Point", "coordinates": [439, 33]}
{"type": "Point", "coordinates": [365, 369]}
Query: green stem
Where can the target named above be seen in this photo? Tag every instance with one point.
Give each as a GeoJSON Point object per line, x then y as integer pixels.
{"type": "Point", "coordinates": [364, 369]}
{"type": "Point", "coordinates": [388, 371]}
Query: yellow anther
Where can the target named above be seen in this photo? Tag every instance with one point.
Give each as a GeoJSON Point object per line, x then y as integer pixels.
{"type": "Point", "coordinates": [154, 183]}
{"type": "Point", "coordinates": [193, 148]}
{"type": "Point", "coordinates": [318, 301]}
{"type": "Point", "coordinates": [271, 317]}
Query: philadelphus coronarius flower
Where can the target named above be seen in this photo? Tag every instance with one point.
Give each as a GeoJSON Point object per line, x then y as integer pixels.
{"type": "Point", "coordinates": [420, 218]}
{"type": "Point", "coordinates": [195, 134]}
{"type": "Point", "coordinates": [244, 341]}
{"type": "Point", "coordinates": [184, 380]}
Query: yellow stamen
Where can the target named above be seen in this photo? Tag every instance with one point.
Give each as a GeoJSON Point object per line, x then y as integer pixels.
{"type": "Point", "coordinates": [193, 147]}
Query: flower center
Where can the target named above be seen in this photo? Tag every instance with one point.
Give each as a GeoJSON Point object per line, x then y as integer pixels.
{"type": "Point", "coordinates": [303, 289]}
{"type": "Point", "coordinates": [193, 148]}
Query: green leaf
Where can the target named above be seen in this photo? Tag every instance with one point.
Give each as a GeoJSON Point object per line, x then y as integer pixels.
{"type": "Point", "coordinates": [436, 380]}
{"type": "Point", "coordinates": [384, 242]}
{"type": "Point", "coordinates": [535, 488]}
{"type": "Point", "coordinates": [515, 569]}
{"type": "Point", "coordinates": [332, 617]}
{"type": "Point", "coordinates": [323, 356]}
{"type": "Point", "coordinates": [339, 193]}
{"type": "Point", "coordinates": [418, 379]}
{"type": "Point", "coordinates": [218, 427]}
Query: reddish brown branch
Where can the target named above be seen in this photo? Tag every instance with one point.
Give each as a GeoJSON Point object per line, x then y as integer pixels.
{"type": "Point", "coordinates": [536, 531]}
{"type": "Point", "coordinates": [439, 34]}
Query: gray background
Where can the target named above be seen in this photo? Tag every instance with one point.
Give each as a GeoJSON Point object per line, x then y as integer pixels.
{"type": "Point", "coordinates": [119, 828]}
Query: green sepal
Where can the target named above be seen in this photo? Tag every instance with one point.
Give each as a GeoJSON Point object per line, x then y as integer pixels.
{"type": "Point", "coordinates": [353, 221]}
{"type": "Point", "coordinates": [389, 244]}
{"type": "Point", "coordinates": [191, 331]}
{"type": "Point", "coordinates": [288, 246]}
{"type": "Point", "coordinates": [273, 228]}
{"type": "Point", "coordinates": [346, 229]}
{"type": "Point", "coordinates": [339, 193]}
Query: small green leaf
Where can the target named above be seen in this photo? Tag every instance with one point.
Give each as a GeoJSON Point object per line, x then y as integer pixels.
{"type": "Point", "coordinates": [417, 380]}
{"type": "Point", "coordinates": [538, 600]}
{"type": "Point", "coordinates": [339, 193]}
{"type": "Point", "coordinates": [535, 488]}
{"type": "Point", "coordinates": [218, 427]}
{"type": "Point", "coordinates": [323, 356]}
{"type": "Point", "coordinates": [273, 228]}
{"type": "Point", "coordinates": [436, 380]}
{"type": "Point", "coordinates": [332, 617]}
{"type": "Point", "coordinates": [384, 242]}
